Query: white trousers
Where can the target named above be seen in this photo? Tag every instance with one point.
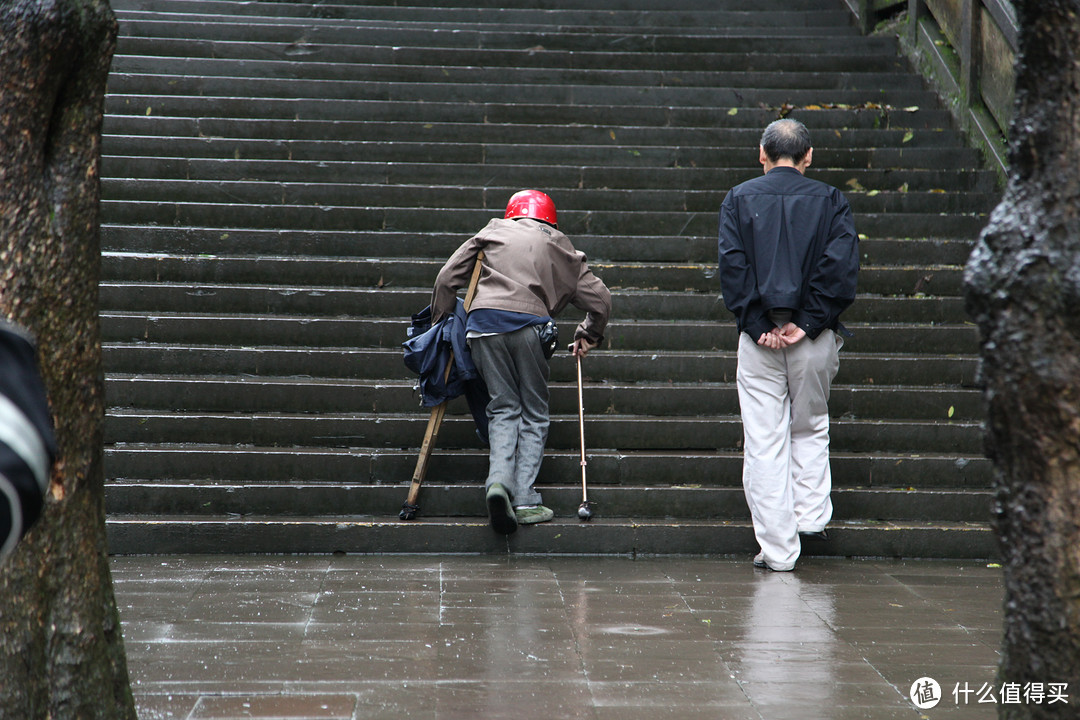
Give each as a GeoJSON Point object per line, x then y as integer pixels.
{"type": "Point", "coordinates": [783, 398]}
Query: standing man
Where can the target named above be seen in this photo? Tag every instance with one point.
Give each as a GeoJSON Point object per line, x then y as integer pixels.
{"type": "Point", "coordinates": [788, 266]}
{"type": "Point", "coordinates": [530, 273]}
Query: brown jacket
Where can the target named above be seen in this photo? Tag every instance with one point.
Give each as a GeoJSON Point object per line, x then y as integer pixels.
{"type": "Point", "coordinates": [528, 267]}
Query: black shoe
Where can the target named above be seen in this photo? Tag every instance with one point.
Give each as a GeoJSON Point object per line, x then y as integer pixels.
{"type": "Point", "coordinates": [503, 518]}
{"type": "Point", "coordinates": [820, 535]}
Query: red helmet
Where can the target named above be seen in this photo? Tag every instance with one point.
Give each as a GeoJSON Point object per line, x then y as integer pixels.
{"type": "Point", "coordinates": [532, 204]}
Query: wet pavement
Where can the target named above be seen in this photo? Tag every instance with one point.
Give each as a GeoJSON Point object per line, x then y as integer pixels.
{"type": "Point", "coordinates": [448, 637]}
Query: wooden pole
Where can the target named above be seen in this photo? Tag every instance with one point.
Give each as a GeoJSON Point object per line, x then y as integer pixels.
{"type": "Point", "coordinates": [431, 435]}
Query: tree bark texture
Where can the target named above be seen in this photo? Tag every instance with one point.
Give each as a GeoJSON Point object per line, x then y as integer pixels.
{"type": "Point", "coordinates": [1023, 289]}
{"type": "Point", "coordinates": [61, 649]}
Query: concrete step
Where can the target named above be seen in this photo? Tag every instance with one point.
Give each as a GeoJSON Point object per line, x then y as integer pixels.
{"type": "Point", "coordinates": [153, 195]}
{"type": "Point", "coordinates": [886, 249]}
{"type": "Point", "coordinates": [631, 536]}
{"type": "Point", "coordinates": [466, 501]}
{"type": "Point", "coordinates": [299, 395]}
{"type": "Point", "coordinates": [330, 301]}
{"type": "Point", "coordinates": [534, 24]}
{"type": "Point", "coordinates": [231, 465]}
{"type": "Point", "coordinates": [132, 50]}
{"type": "Point", "coordinates": [403, 273]}
{"type": "Point", "coordinates": [303, 33]}
{"type": "Point", "coordinates": [655, 335]}
{"type": "Point", "coordinates": [439, 218]}
{"type": "Point", "coordinates": [823, 117]}
{"type": "Point", "coordinates": [651, 19]}
{"type": "Point", "coordinates": [331, 9]}
{"type": "Point", "coordinates": [623, 432]}
{"type": "Point", "coordinates": [141, 74]}
{"type": "Point", "coordinates": [415, 151]}
{"type": "Point", "coordinates": [554, 177]}
{"type": "Point", "coordinates": [625, 366]}
{"type": "Point", "coordinates": [342, 92]}
{"type": "Point", "coordinates": [156, 127]}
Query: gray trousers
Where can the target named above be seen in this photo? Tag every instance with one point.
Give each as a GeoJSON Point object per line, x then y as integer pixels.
{"type": "Point", "coordinates": [784, 401]}
{"type": "Point", "coordinates": [516, 373]}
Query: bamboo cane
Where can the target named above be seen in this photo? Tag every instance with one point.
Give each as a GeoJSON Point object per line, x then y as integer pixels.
{"type": "Point", "coordinates": [431, 434]}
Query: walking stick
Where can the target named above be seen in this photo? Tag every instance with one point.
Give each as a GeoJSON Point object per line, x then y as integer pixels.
{"type": "Point", "coordinates": [411, 507]}
{"type": "Point", "coordinates": [584, 511]}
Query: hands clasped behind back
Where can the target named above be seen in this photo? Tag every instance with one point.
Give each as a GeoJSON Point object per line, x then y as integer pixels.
{"type": "Point", "coordinates": [782, 337]}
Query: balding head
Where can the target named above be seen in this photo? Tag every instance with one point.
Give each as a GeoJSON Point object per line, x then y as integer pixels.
{"type": "Point", "coordinates": [786, 140]}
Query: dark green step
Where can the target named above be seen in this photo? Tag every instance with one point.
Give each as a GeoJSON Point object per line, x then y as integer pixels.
{"type": "Point", "coordinates": [372, 27]}
{"type": "Point", "coordinates": [628, 366]}
{"type": "Point", "coordinates": [527, 155]}
{"type": "Point", "coordinates": [175, 463]}
{"type": "Point", "coordinates": [134, 50]}
{"type": "Point", "coordinates": [570, 94]}
{"type": "Point", "coordinates": [439, 218]}
{"type": "Point", "coordinates": [622, 134]}
{"type": "Point", "coordinates": [403, 273]}
{"type": "Point", "coordinates": [652, 20]}
{"type": "Point", "coordinates": [255, 534]}
{"type": "Point", "coordinates": [329, 301]}
{"type": "Point", "coordinates": [607, 431]}
{"type": "Point", "coordinates": [134, 75]}
{"type": "Point", "coordinates": [679, 503]}
{"type": "Point", "coordinates": [887, 249]}
{"type": "Point", "coordinates": [297, 395]}
{"type": "Point", "coordinates": [589, 205]}
{"type": "Point", "coordinates": [328, 9]}
{"type": "Point", "coordinates": [302, 34]}
{"type": "Point", "coordinates": [553, 178]}
{"type": "Point", "coordinates": [658, 335]}
{"type": "Point", "coordinates": [523, 111]}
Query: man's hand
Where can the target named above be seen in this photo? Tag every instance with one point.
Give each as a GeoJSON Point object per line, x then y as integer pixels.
{"type": "Point", "coordinates": [581, 347]}
{"type": "Point", "coordinates": [782, 337]}
{"type": "Point", "coordinates": [790, 334]}
{"type": "Point", "coordinates": [771, 340]}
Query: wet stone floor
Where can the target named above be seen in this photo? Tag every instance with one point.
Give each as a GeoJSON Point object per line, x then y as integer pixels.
{"type": "Point", "coordinates": [448, 637]}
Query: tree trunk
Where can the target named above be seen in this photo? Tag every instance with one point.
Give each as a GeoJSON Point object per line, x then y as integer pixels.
{"type": "Point", "coordinates": [61, 651]}
{"type": "Point", "coordinates": [1023, 288]}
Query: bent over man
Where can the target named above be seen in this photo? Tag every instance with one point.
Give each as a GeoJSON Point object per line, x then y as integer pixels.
{"type": "Point", "coordinates": [788, 267]}
{"type": "Point", "coordinates": [530, 272]}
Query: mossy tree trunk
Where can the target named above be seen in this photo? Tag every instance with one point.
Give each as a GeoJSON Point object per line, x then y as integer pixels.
{"type": "Point", "coordinates": [61, 650]}
{"type": "Point", "coordinates": [1023, 288]}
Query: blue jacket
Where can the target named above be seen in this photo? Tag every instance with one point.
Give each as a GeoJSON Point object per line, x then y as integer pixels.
{"type": "Point", "coordinates": [427, 353]}
{"type": "Point", "coordinates": [787, 241]}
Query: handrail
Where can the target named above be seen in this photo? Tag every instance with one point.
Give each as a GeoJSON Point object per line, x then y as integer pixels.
{"type": "Point", "coordinates": [1005, 16]}
{"type": "Point", "coordinates": [969, 47]}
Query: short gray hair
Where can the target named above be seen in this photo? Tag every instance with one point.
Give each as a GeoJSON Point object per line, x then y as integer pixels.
{"type": "Point", "coordinates": [786, 139]}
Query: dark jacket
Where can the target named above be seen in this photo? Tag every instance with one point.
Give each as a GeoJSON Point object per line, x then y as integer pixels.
{"type": "Point", "coordinates": [787, 241]}
{"type": "Point", "coordinates": [427, 353]}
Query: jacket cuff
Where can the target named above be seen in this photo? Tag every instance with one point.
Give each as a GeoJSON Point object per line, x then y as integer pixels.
{"type": "Point", "coordinates": [811, 328]}
{"type": "Point", "coordinates": [758, 328]}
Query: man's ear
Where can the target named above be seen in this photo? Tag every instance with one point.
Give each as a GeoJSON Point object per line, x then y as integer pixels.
{"type": "Point", "coordinates": [763, 158]}
{"type": "Point", "coordinates": [808, 159]}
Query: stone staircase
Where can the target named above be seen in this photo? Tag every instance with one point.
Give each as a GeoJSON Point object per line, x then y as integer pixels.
{"type": "Point", "coordinates": [283, 180]}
